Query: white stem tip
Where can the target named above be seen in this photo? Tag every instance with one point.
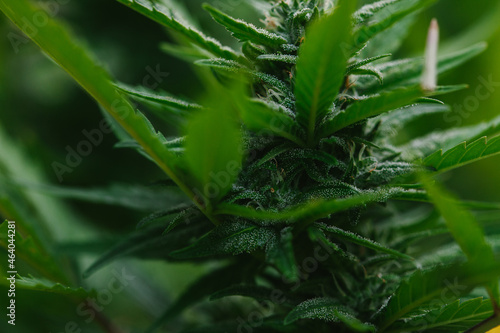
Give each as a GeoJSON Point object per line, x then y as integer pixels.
{"type": "Point", "coordinates": [429, 76]}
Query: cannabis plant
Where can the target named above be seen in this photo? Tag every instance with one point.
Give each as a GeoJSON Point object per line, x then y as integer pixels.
{"type": "Point", "coordinates": [304, 193]}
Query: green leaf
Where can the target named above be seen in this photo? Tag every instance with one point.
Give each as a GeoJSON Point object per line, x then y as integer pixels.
{"type": "Point", "coordinates": [142, 93]}
{"type": "Point", "coordinates": [286, 58]}
{"type": "Point", "coordinates": [269, 118]}
{"type": "Point", "coordinates": [422, 287]}
{"type": "Point", "coordinates": [462, 225]}
{"type": "Point", "coordinates": [463, 154]}
{"type": "Point", "coordinates": [280, 252]}
{"type": "Point", "coordinates": [408, 72]}
{"type": "Point", "coordinates": [213, 147]}
{"type": "Point", "coordinates": [44, 285]}
{"type": "Point", "coordinates": [391, 123]}
{"type": "Point", "coordinates": [369, 107]}
{"type": "Point", "coordinates": [229, 238]}
{"type": "Point", "coordinates": [318, 235]}
{"type": "Point", "coordinates": [327, 309]}
{"type": "Point", "coordinates": [391, 13]}
{"type": "Point", "coordinates": [366, 70]}
{"type": "Point", "coordinates": [367, 11]}
{"type": "Point", "coordinates": [310, 211]}
{"type": "Point", "coordinates": [357, 239]}
{"type": "Point", "coordinates": [364, 62]}
{"type": "Point", "coordinates": [456, 316]}
{"type": "Point", "coordinates": [321, 67]}
{"type": "Point", "coordinates": [157, 13]}
{"type": "Point", "coordinates": [446, 139]}
{"type": "Point", "coordinates": [244, 31]}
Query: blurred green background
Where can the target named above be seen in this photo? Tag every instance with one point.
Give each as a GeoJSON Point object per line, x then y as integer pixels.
{"type": "Point", "coordinates": [43, 110]}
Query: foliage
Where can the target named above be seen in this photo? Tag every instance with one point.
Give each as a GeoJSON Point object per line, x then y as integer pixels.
{"type": "Point", "coordinates": [289, 176]}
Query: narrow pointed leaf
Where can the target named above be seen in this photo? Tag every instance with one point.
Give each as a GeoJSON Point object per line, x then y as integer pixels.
{"type": "Point", "coordinates": [393, 12]}
{"type": "Point", "coordinates": [244, 31]}
{"type": "Point", "coordinates": [158, 14]}
{"type": "Point", "coordinates": [357, 239]}
{"type": "Point", "coordinates": [170, 102]}
{"type": "Point", "coordinates": [321, 67]}
{"type": "Point", "coordinates": [369, 107]}
{"type": "Point", "coordinates": [286, 58]}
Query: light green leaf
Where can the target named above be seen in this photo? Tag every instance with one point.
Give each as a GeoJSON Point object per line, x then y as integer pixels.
{"type": "Point", "coordinates": [463, 154]}
{"type": "Point", "coordinates": [462, 225]}
{"type": "Point", "coordinates": [213, 147]}
{"type": "Point", "coordinates": [369, 107]}
{"type": "Point", "coordinates": [244, 31]}
{"type": "Point", "coordinates": [321, 67]}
